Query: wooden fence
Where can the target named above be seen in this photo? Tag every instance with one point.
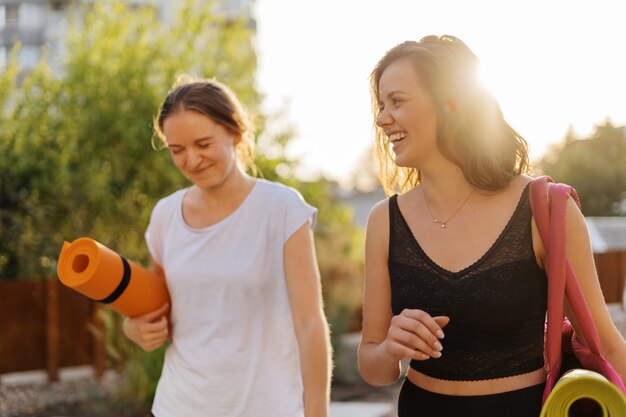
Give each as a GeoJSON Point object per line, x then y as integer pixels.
{"type": "Point", "coordinates": [612, 273]}
{"type": "Point", "coordinates": [44, 325]}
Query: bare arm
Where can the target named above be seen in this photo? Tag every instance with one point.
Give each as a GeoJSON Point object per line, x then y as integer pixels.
{"type": "Point", "coordinates": [151, 330]}
{"type": "Point", "coordinates": [580, 255]}
{"type": "Point", "coordinates": [386, 339]}
{"type": "Point", "coordinates": [303, 285]}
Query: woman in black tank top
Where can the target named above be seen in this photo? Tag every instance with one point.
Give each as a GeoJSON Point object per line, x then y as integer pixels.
{"type": "Point", "coordinates": [454, 279]}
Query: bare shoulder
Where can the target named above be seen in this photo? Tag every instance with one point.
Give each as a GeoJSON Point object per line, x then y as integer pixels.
{"type": "Point", "coordinates": [520, 182]}
{"type": "Point", "coordinates": [379, 215]}
{"type": "Point", "coordinates": [574, 213]}
{"type": "Point", "coordinates": [377, 233]}
{"type": "Point", "coordinates": [575, 218]}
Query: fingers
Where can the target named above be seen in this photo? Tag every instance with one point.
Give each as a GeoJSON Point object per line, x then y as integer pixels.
{"type": "Point", "coordinates": [442, 321]}
{"type": "Point", "coordinates": [415, 334]}
{"type": "Point", "coordinates": [152, 340]}
{"type": "Point", "coordinates": [148, 339]}
{"type": "Point", "coordinates": [154, 327]}
{"type": "Point", "coordinates": [153, 335]}
{"type": "Point", "coordinates": [148, 335]}
{"type": "Point", "coordinates": [154, 315]}
{"type": "Point", "coordinates": [427, 320]}
{"type": "Point", "coordinates": [400, 351]}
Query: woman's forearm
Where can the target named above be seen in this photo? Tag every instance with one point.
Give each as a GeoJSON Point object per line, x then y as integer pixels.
{"type": "Point", "coordinates": [376, 366]}
{"type": "Point", "coordinates": [315, 365]}
{"type": "Point", "coordinates": [617, 359]}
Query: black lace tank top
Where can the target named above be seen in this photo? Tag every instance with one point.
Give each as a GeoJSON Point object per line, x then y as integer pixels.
{"type": "Point", "coordinates": [496, 306]}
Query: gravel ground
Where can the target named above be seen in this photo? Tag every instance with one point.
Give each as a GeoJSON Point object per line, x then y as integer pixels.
{"type": "Point", "coordinates": [83, 396]}
{"type": "Point", "coordinates": [88, 398]}
{"type": "Point", "coordinates": [74, 397]}
{"type": "Point", "coordinates": [362, 392]}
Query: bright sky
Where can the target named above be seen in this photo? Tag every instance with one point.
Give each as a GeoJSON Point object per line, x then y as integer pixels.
{"type": "Point", "coordinates": [550, 64]}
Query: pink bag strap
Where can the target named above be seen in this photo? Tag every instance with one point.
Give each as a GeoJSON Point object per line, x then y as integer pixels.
{"type": "Point", "coordinates": [549, 207]}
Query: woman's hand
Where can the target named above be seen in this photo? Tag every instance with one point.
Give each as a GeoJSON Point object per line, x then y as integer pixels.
{"type": "Point", "coordinates": [149, 331]}
{"type": "Point", "coordinates": [415, 334]}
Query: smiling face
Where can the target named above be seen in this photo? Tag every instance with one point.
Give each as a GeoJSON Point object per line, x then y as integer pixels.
{"type": "Point", "coordinates": [202, 149]}
{"type": "Point", "coordinates": [427, 98]}
{"type": "Point", "coordinates": [407, 114]}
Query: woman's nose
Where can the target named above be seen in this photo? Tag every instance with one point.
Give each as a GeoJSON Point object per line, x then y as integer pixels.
{"type": "Point", "coordinates": [383, 118]}
{"type": "Point", "coordinates": [193, 159]}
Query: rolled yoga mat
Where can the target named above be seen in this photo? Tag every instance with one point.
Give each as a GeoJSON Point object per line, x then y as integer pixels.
{"type": "Point", "coordinates": [102, 275]}
{"type": "Point", "coordinates": [583, 393]}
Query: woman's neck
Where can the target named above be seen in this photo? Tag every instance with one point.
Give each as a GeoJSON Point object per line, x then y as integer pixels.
{"type": "Point", "coordinates": [446, 185]}
{"type": "Point", "coordinates": [230, 191]}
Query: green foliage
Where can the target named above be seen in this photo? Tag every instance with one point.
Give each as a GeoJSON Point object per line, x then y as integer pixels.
{"type": "Point", "coordinates": [28, 152]}
{"type": "Point", "coordinates": [76, 149]}
{"type": "Point", "coordinates": [76, 156]}
{"type": "Point", "coordinates": [595, 167]}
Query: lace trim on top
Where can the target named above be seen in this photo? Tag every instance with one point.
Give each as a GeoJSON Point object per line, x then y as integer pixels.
{"type": "Point", "coordinates": [496, 305]}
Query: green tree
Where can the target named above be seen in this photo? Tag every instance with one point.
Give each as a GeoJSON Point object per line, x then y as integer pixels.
{"type": "Point", "coordinates": [76, 150]}
{"type": "Point", "coordinates": [76, 156]}
{"type": "Point", "coordinates": [595, 167]}
{"type": "Point", "coordinates": [28, 156]}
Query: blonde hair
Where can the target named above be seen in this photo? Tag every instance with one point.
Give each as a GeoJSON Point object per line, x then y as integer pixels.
{"type": "Point", "coordinates": [214, 100]}
{"type": "Point", "coordinates": [471, 131]}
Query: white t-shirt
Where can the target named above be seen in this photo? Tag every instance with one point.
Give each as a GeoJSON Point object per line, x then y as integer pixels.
{"type": "Point", "coordinates": [233, 350]}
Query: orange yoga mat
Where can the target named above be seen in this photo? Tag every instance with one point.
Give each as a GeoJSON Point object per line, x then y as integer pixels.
{"type": "Point", "coordinates": [101, 274]}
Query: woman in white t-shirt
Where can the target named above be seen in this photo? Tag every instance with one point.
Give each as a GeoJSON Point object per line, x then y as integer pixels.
{"type": "Point", "coordinates": [248, 332]}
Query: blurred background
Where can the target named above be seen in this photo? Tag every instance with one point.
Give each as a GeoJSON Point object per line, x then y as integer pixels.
{"type": "Point", "coordinates": [81, 81]}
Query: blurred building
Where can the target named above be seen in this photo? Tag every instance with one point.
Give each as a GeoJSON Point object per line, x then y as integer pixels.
{"type": "Point", "coordinates": [608, 241]}
{"type": "Point", "coordinates": [361, 203]}
{"type": "Point", "coordinates": [43, 23]}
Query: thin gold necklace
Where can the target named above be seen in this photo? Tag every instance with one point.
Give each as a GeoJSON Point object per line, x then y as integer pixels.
{"type": "Point", "coordinates": [443, 223]}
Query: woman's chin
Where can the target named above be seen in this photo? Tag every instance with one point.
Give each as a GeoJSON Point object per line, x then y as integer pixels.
{"type": "Point", "coordinates": [402, 161]}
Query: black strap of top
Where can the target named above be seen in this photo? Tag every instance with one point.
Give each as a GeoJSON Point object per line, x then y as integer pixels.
{"type": "Point", "coordinates": [121, 287]}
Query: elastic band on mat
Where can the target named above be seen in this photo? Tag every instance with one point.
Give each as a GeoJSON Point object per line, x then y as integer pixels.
{"type": "Point", "coordinates": [122, 285]}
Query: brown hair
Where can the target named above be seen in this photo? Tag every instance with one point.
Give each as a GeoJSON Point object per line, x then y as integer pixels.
{"type": "Point", "coordinates": [215, 100]}
{"type": "Point", "coordinates": [471, 131]}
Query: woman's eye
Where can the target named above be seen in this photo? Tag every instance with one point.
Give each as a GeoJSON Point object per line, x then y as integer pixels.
{"type": "Point", "coordinates": [203, 145]}
{"type": "Point", "coordinates": [396, 101]}
{"type": "Point", "coordinates": [176, 151]}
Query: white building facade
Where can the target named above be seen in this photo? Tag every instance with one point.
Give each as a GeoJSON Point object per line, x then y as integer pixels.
{"type": "Point", "coordinates": [34, 24]}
